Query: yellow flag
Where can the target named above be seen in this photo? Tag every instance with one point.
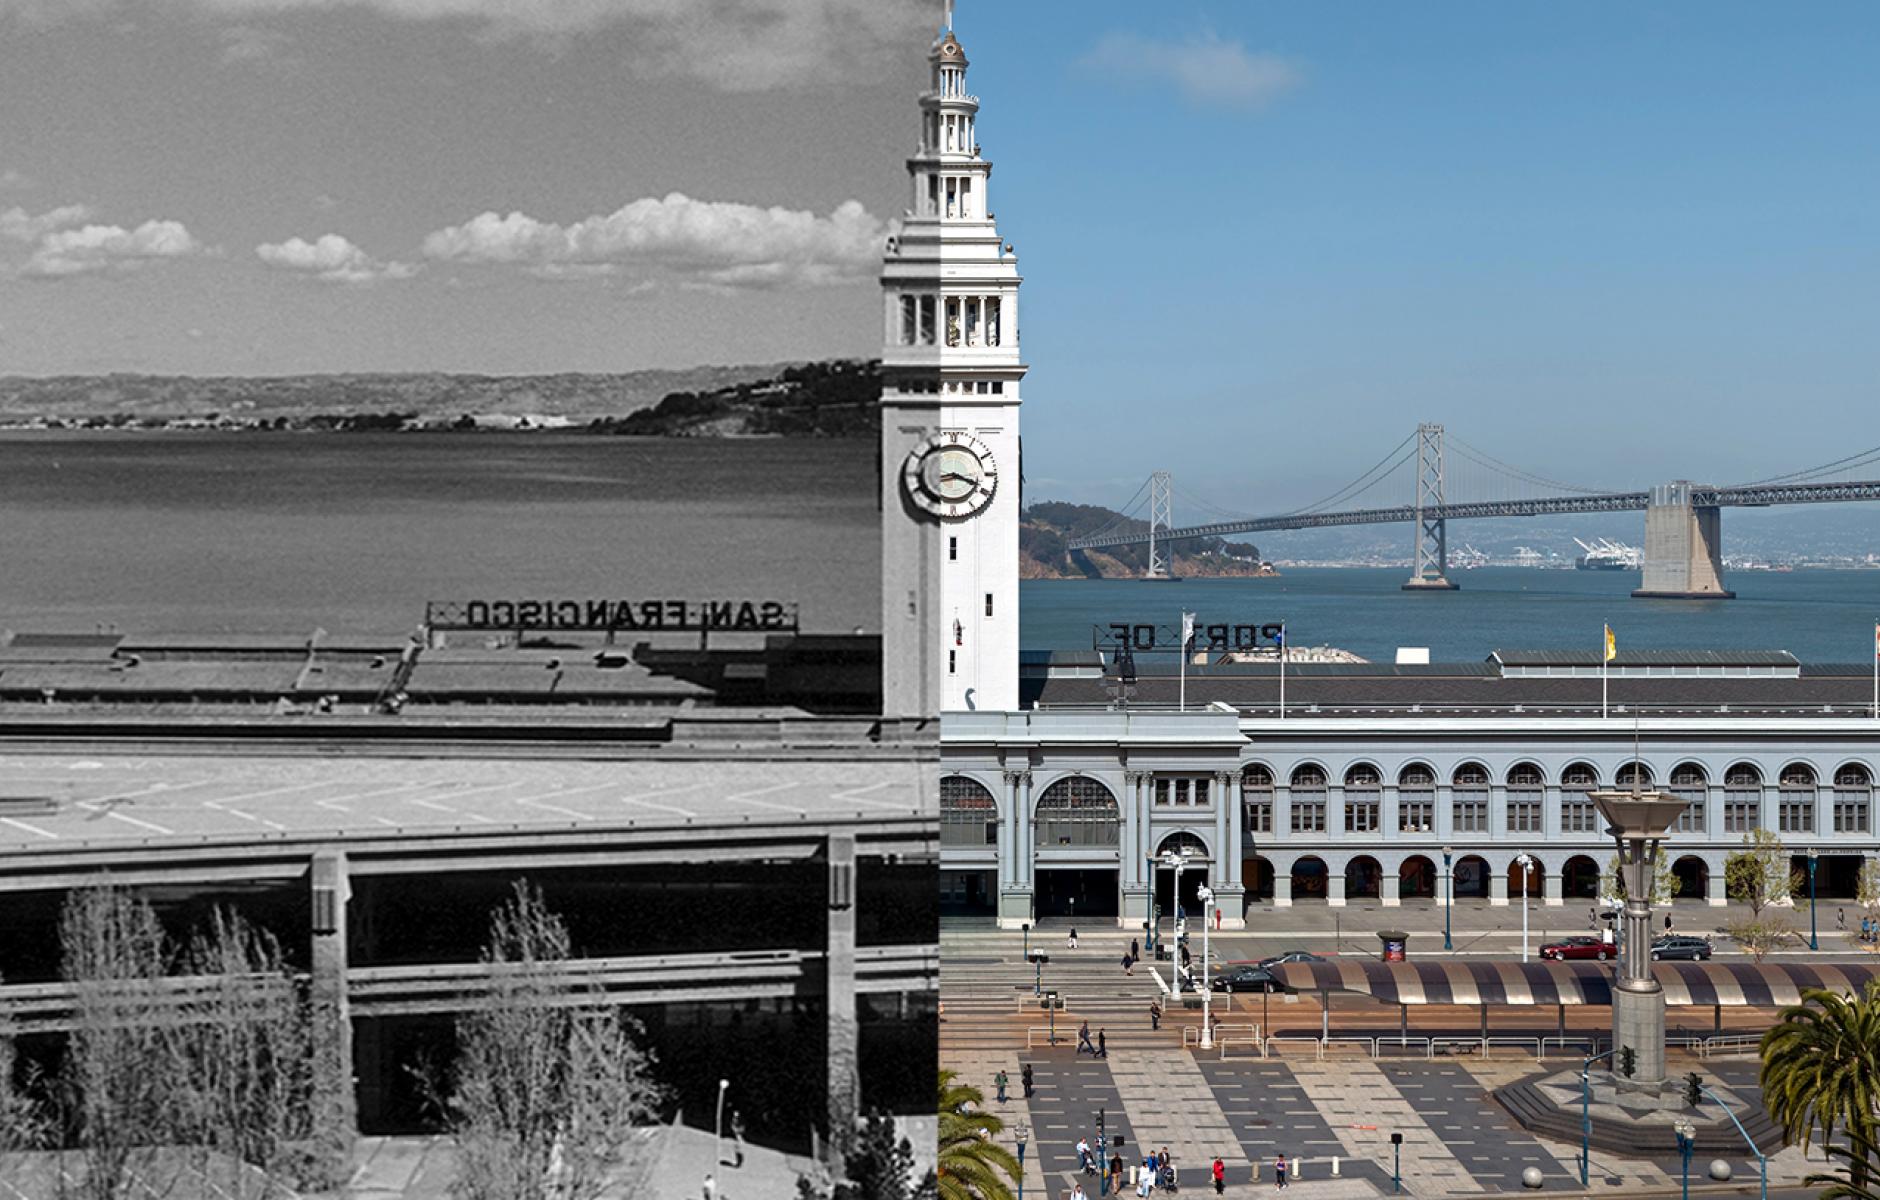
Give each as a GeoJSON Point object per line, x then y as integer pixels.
{"type": "Point", "coordinates": [1612, 645]}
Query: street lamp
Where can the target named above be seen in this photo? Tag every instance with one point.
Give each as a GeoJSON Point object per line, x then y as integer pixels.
{"type": "Point", "coordinates": [1526, 863]}
{"type": "Point", "coordinates": [1038, 960]}
{"type": "Point", "coordinates": [1024, 1132]}
{"type": "Point", "coordinates": [1814, 943]}
{"type": "Point", "coordinates": [1449, 899]}
{"type": "Point", "coordinates": [1025, 929]}
{"type": "Point", "coordinates": [1687, 1143]}
{"type": "Point", "coordinates": [1207, 997]}
{"type": "Point", "coordinates": [718, 1127]}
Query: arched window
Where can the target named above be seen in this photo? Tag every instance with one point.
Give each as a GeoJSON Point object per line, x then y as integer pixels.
{"type": "Point", "coordinates": [1364, 790]}
{"type": "Point", "coordinates": [1416, 799]}
{"type": "Point", "coordinates": [1795, 807]}
{"type": "Point", "coordinates": [1853, 799]}
{"type": "Point", "coordinates": [1577, 813]}
{"type": "Point", "coordinates": [1469, 791]}
{"type": "Point", "coordinates": [1634, 775]}
{"type": "Point", "coordinates": [1308, 800]}
{"type": "Point", "coordinates": [1256, 799]}
{"type": "Point", "coordinates": [1184, 845]}
{"type": "Point", "coordinates": [1077, 811]}
{"type": "Point", "coordinates": [969, 816]}
{"type": "Point", "coordinates": [1525, 792]}
{"type": "Point", "coordinates": [1742, 798]}
{"type": "Point", "coordinates": [1687, 783]}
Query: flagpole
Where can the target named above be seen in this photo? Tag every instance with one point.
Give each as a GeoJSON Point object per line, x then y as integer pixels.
{"type": "Point", "coordinates": [1876, 670]}
{"type": "Point", "coordinates": [1605, 662]}
{"type": "Point", "coordinates": [1182, 704]}
{"type": "Point", "coordinates": [1282, 670]}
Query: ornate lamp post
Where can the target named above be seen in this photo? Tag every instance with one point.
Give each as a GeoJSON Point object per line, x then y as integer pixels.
{"type": "Point", "coordinates": [1814, 943]}
{"type": "Point", "coordinates": [1024, 1133]}
{"type": "Point", "coordinates": [1025, 929]}
{"type": "Point", "coordinates": [1687, 1142]}
{"type": "Point", "coordinates": [1526, 863]}
{"type": "Point", "coordinates": [1207, 996]}
{"type": "Point", "coordinates": [1638, 822]}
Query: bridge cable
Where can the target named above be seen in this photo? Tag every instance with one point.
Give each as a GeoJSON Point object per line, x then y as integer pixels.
{"type": "Point", "coordinates": [1125, 513]}
{"type": "Point", "coordinates": [1483, 458]}
{"type": "Point", "coordinates": [1851, 461]}
{"type": "Point", "coordinates": [1347, 490]}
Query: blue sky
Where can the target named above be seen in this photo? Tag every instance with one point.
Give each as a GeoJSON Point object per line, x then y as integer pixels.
{"type": "Point", "coordinates": [1616, 243]}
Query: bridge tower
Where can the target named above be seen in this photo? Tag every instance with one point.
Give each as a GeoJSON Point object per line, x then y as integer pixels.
{"type": "Point", "coordinates": [1683, 547]}
{"type": "Point", "coordinates": [1430, 564]}
{"type": "Point", "coordinates": [950, 372]}
{"type": "Point", "coordinates": [1161, 517]}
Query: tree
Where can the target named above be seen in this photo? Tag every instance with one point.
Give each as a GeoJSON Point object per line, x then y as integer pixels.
{"type": "Point", "coordinates": [1855, 1178]}
{"type": "Point", "coordinates": [1665, 881]}
{"type": "Point", "coordinates": [22, 1123]}
{"type": "Point", "coordinates": [972, 1163]}
{"type": "Point", "coordinates": [879, 1165]}
{"type": "Point", "coordinates": [249, 1046]}
{"type": "Point", "coordinates": [549, 1079]}
{"type": "Point", "coordinates": [1759, 935]}
{"type": "Point", "coordinates": [1759, 874]}
{"type": "Point", "coordinates": [1821, 1070]}
{"type": "Point", "coordinates": [1867, 895]}
{"type": "Point", "coordinates": [122, 1073]}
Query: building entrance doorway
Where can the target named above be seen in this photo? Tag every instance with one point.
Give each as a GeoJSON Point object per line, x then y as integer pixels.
{"type": "Point", "coordinates": [1077, 892]}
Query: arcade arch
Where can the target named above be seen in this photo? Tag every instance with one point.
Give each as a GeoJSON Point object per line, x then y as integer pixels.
{"type": "Point", "coordinates": [1077, 811]}
{"type": "Point", "coordinates": [1416, 878]}
{"type": "Point", "coordinates": [1579, 878]}
{"type": "Point", "coordinates": [1364, 878]}
{"type": "Point", "coordinates": [969, 816]}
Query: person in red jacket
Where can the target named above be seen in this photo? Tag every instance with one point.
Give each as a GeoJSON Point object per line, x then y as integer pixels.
{"type": "Point", "coordinates": [1220, 1177]}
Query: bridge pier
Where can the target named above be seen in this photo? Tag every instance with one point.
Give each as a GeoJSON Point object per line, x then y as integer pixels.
{"type": "Point", "coordinates": [1429, 567]}
{"type": "Point", "coordinates": [1683, 547]}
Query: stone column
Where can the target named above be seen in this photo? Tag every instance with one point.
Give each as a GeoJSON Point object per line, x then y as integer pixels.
{"type": "Point", "coordinates": [1334, 887]}
{"type": "Point", "coordinates": [1282, 811]}
{"type": "Point", "coordinates": [1388, 824]}
{"type": "Point", "coordinates": [1136, 892]}
{"type": "Point", "coordinates": [843, 1080]}
{"type": "Point", "coordinates": [1553, 889]}
{"type": "Point", "coordinates": [1716, 892]}
{"type": "Point", "coordinates": [1008, 817]}
{"type": "Point", "coordinates": [1334, 811]}
{"type": "Point", "coordinates": [335, 1106]}
{"type": "Point", "coordinates": [1282, 889]}
{"type": "Point", "coordinates": [1390, 887]}
{"type": "Point", "coordinates": [1497, 888]}
{"type": "Point", "coordinates": [1713, 810]}
{"type": "Point", "coordinates": [1028, 839]}
{"type": "Point", "coordinates": [1638, 1002]}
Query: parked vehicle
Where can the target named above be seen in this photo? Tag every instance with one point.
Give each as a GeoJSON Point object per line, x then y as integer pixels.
{"type": "Point", "coordinates": [1291, 956]}
{"type": "Point", "coordinates": [1579, 947]}
{"type": "Point", "coordinates": [1684, 946]}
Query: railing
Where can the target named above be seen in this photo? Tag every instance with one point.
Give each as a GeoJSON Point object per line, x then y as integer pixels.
{"type": "Point", "coordinates": [1043, 1035]}
{"type": "Point", "coordinates": [1730, 1043]}
{"type": "Point", "coordinates": [1191, 1034]}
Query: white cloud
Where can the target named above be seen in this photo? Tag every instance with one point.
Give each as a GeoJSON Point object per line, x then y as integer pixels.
{"type": "Point", "coordinates": [21, 226]}
{"type": "Point", "coordinates": [695, 241]}
{"type": "Point", "coordinates": [331, 259]}
{"type": "Point", "coordinates": [1205, 70]}
{"type": "Point", "coordinates": [736, 45]}
{"type": "Point", "coordinates": [109, 248]}
{"type": "Point", "coordinates": [11, 179]}
{"type": "Point", "coordinates": [251, 43]}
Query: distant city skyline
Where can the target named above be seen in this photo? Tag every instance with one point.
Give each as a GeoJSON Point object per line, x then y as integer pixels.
{"type": "Point", "coordinates": [1611, 244]}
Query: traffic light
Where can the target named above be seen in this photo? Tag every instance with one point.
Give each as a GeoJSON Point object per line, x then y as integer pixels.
{"type": "Point", "coordinates": [1693, 1089]}
{"type": "Point", "coordinates": [1628, 1061]}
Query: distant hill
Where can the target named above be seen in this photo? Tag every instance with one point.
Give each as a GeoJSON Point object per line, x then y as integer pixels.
{"type": "Point", "coordinates": [394, 401]}
{"type": "Point", "coordinates": [1046, 529]}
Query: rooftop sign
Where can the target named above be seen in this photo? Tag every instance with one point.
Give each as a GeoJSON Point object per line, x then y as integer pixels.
{"type": "Point", "coordinates": [665, 616]}
{"type": "Point", "coordinates": [1167, 639]}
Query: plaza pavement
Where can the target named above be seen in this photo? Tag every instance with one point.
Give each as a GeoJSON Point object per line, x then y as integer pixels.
{"type": "Point", "coordinates": [1158, 1091]}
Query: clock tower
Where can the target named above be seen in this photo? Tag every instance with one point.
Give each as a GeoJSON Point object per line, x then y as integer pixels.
{"type": "Point", "coordinates": [949, 423]}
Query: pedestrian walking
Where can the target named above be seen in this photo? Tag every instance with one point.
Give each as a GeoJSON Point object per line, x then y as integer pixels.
{"type": "Point", "coordinates": [1146, 1184]}
{"type": "Point", "coordinates": [1024, 1078]}
{"type": "Point", "coordinates": [1128, 965]}
{"type": "Point", "coordinates": [1000, 1081]}
{"type": "Point", "coordinates": [1083, 1154]}
{"type": "Point", "coordinates": [1083, 1039]}
{"type": "Point", "coordinates": [1667, 922]}
{"type": "Point", "coordinates": [1077, 1192]}
{"type": "Point", "coordinates": [1072, 939]}
{"type": "Point", "coordinates": [1134, 950]}
{"type": "Point", "coordinates": [1220, 1176]}
{"type": "Point", "coordinates": [1103, 1049]}
{"type": "Point", "coordinates": [1155, 1015]}
{"type": "Point", "coordinates": [1217, 920]}
{"type": "Point", "coordinates": [1116, 1172]}
{"type": "Point", "coordinates": [1279, 1172]}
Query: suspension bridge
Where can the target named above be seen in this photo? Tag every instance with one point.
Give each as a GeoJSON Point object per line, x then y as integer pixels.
{"type": "Point", "coordinates": [1683, 520]}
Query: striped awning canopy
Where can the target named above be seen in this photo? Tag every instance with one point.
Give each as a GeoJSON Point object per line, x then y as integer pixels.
{"type": "Point", "coordinates": [1455, 981]}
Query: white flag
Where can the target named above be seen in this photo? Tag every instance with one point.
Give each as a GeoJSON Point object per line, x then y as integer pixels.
{"type": "Point", "coordinates": [1188, 629]}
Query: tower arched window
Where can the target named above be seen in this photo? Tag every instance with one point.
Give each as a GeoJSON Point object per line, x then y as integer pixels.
{"type": "Point", "coordinates": [1795, 806]}
{"type": "Point", "coordinates": [1853, 799]}
{"type": "Point", "coordinates": [1416, 799]}
{"type": "Point", "coordinates": [1256, 799]}
{"type": "Point", "coordinates": [1577, 814]}
{"type": "Point", "coordinates": [1742, 798]}
{"type": "Point", "coordinates": [1525, 791]}
{"type": "Point", "coordinates": [1364, 790]}
{"type": "Point", "coordinates": [1469, 797]}
{"type": "Point", "coordinates": [969, 816]}
{"type": "Point", "coordinates": [1077, 811]}
{"type": "Point", "coordinates": [1688, 783]}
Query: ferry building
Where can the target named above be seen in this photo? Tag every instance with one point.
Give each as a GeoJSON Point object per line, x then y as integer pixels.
{"type": "Point", "coordinates": [1068, 782]}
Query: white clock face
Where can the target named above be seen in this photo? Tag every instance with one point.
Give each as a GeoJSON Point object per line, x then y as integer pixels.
{"type": "Point", "coordinates": [951, 475]}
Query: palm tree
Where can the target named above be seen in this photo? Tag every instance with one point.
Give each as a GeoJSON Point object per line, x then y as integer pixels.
{"type": "Point", "coordinates": [971, 1162]}
{"type": "Point", "coordinates": [1863, 1157]}
{"type": "Point", "coordinates": [1821, 1070]}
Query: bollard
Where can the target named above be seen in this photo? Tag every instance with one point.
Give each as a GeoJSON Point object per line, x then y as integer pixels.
{"type": "Point", "coordinates": [1334, 1166]}
{"type": "Point", "coordinates": [1298, 1169]}
{"type": "Point", "coordinates": [1256, 1170]}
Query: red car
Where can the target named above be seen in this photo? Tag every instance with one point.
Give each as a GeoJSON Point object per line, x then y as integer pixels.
{"type": "Point", "coordinates": [1579, 947]}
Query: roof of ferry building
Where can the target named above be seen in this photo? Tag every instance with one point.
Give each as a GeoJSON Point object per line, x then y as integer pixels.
{"type": "Point", "coordinates": [1534, 682]}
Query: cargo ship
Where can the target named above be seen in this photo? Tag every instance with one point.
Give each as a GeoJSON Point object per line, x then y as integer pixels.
{"type": "Point", "coordinates": [1604, 554]}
